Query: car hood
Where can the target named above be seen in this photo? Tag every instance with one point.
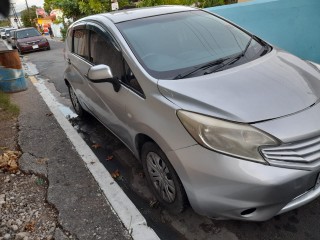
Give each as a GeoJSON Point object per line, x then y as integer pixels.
{"type": "Point", "coordinates": [30, 39]}
{"type": "Point", "coordinates": [275, 85]}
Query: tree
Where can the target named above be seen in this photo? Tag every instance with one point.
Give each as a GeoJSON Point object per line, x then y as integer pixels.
{"type": "Point", "coordinates": [89, 7]}
{"type": "Point", "coordinates": [211, 3]}
{"type": "Point", "coordinates": [78, 8]}
{"type": "Point", "coordinates": [199, 3]}
{"type": "Point", "coordinates": [28, 17]}
{"type": "Point", "coordinates": [70, 8]}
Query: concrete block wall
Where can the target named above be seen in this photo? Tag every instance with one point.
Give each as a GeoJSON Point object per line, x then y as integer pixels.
{"type": "Point", "coordinates": [293, 25]}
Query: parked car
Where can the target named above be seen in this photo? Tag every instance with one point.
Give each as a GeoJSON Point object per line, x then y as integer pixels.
{"type": "Point", "coordinates": [8, 34]}
{"type": "Point", "coordinates": [29, 39]}
{"type": "Point", "coordinates": [11, 34]}
{"type": "Point", "coordinates": [3, 33]}
{"type": "Point", "coordinates": [218, 117]}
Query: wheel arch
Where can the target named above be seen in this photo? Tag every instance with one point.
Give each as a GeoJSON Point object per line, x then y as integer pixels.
{"type": "Point", "coordinates": [140, 140]}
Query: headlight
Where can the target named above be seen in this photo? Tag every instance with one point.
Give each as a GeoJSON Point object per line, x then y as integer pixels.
{"type": "Point", "coordinates": [236, 139]}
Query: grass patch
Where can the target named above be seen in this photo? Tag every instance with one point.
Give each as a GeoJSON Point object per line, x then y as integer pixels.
{"type": "Point", "coordinates": [7, 109]}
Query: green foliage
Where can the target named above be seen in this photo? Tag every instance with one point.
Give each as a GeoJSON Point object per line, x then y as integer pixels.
{"type": "Point", "coordinates": [28, 17]}
{"type": "Point", "coordinates": [49, 5]}
{"type": "Point", "coordinates": [10, 110]}
{"type": "Point", "coordinates": [199, 3]}
{"type": "Point", "coordinates": [79, 8]}
{"type": "Point", "coordinates": [63, 32]}
{"type": "Point", "coordinates": [70, 8]}
{"type": "Point", "coordinates": [4, 23]}
{"type": "Point", "coordinates": [211, 3]}
{"type": "Point", "coordinates": [123, 3]}
{"type": "Point", "coordinates": [147, 3]}
{"type": "Point", "coordinates": [89, 7]}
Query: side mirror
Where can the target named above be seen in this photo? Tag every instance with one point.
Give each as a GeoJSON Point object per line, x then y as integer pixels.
{"type": "Point", "coordinates": [102, 73]}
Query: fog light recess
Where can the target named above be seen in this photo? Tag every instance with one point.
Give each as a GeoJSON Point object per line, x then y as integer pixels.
{"type": "Point", "coordinates": [248, 211]}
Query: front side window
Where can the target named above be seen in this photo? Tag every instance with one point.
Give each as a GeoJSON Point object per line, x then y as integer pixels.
{"type": "Point", "coordinates": [104, 51]}
{"type": "Point", "coordinates": [80, 43]}
{"type": "Point", "coordinates": [171, 44]}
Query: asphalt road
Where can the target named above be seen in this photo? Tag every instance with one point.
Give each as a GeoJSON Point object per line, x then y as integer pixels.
{"type": "Point", "coordinates": [299, 224]}
{"type": "Point", "coordinates": [51, 65]}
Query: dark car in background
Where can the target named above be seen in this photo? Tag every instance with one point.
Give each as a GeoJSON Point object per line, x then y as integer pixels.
{"type": "Point", "coordinates": [29, 39]}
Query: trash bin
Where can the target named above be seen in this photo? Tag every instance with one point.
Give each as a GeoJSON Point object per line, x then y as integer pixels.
{"type": "Point", "coordinates": [11, 73]}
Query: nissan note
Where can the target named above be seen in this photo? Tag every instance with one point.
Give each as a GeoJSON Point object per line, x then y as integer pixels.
{"type": "Point", "coordinates": [218, 117]}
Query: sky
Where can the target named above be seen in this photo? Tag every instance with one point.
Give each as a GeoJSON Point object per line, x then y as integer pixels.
{"type": "Point", "coordinates": [21, 4]}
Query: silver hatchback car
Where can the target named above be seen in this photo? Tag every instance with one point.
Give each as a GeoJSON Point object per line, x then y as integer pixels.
{"type": "Point", "coordinates": [218, 117]}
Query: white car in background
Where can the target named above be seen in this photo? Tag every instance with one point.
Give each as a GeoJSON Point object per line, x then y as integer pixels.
{"type": "Point", "coordinates": [8, 34]}
{"type": "Point", "coordinates": [3, 33]}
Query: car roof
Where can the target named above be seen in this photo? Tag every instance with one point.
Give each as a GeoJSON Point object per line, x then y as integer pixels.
{"type": "Point", "coordinates": [136, 13]}
{"type": "Point", "coordinates": [22, 29]}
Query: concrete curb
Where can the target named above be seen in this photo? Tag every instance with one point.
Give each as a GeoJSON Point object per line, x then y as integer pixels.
{"type": "Point", "coordinates": [130, 216]}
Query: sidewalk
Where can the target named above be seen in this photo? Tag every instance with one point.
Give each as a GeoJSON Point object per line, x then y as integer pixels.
{"type": "Point", "coordinates": [83, 210]}
{"type": "Point", "coordinates": [2, 46]}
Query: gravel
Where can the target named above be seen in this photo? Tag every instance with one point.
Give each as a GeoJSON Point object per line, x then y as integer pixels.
{"type": "Point", "coordinates": [24, 212]}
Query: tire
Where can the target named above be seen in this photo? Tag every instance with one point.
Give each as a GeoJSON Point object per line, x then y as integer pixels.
{"type": "Point", "coordinates": [75, 102]}
{"type": "Point", "coordinates": [48, 48]}
{"type": "Point", "coordinates": [163, 179]}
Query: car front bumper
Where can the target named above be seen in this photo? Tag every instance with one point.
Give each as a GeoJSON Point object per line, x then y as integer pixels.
{"type": "Point", "coordinates": [30, 48]}
{"type": "Point", "coordinates": [222, 186]}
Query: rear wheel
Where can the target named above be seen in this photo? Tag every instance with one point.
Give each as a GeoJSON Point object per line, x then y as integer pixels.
{"type": "Point", "coordinates": [75, 102]}
{"type": "Point", "coordinates": [162, 178]}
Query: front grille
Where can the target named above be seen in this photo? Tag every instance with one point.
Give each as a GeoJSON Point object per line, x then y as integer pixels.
{"type": "Point", "coordinates": [303, 154]}
{"type": "Point", "coordinates": [33, 42]}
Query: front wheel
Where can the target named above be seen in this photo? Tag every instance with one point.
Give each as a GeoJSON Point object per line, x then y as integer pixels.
{"type": "Point", "coordinates": [75, 102]}
{"type": "Point", "coordinates": [162, 178]}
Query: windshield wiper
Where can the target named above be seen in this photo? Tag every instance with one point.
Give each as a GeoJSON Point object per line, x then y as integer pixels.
{"type": "Point", "coordinates": [236, 58]}
{"type": "Point", "coordinates": [202, 67]}
{"type": "Point", "coordinates": [247, 46]}
{"type": "Point", "coordinates": [220, 63]}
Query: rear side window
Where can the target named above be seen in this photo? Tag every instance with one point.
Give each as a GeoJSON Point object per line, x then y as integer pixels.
{"type": "Point", "coordinates": [80, 43]}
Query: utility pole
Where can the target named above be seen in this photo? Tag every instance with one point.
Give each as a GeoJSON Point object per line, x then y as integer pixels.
{"type": "Point", "coordinates": [16, 18]}
{"type": "Point", "coordinates": [28, 12]}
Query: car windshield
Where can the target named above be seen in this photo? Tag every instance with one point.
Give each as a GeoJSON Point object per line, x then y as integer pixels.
{"type": "Point", "coordinates": [172, 44]}
{"type": "Point", "coordinates": [28, 33]}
